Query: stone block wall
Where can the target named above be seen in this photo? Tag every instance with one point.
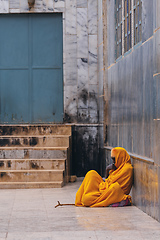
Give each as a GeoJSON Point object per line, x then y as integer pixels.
{"type": "Point", "coordinates": [81, 62]}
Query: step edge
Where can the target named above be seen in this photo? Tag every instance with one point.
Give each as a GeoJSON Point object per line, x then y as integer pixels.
{"type": "Point", "coordinates": [37, 125]}
{"type": "Point", "coordinates": [30, 171]}
{"type": "Point", "coordinates": [3, 183]}
{"type": "Point", "coordinates": [31, 185]}
{"type": "Point", "coordinates": [41, 159]}
{"type": "Point", "coordinates": [34, 136]}
{"type": "Point", "coordinates": [33, 148]}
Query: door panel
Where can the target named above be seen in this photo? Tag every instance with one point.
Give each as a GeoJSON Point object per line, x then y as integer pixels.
{"type": "Point", "coordinates": [13, 41]}
{"type": "Point", "coordinates": [45, 93]}
{"type": "Point", "coordinates": [45, 52]}
{"type": "Point", "coordinates": [14, 95]}
{"type": "Point", "coordinates": [31, 74]}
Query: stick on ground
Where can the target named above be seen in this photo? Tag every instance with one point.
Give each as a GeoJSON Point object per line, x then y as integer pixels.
{"type": "Point", "coordinates": [64, 204]}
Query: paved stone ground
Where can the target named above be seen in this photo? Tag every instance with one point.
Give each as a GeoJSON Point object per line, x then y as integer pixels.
{"type": "Point", "coordinates": [30, 215]}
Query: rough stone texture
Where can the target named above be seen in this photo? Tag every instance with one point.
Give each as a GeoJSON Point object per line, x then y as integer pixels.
{"type": "Point", "coordinates": [32, 164]}
{"type": "Point", "coordinates": [26, 130]}
{"type": "Point", "coordinates": [86, 152]}
{"type": "Point", "coordinates": [34, 160]}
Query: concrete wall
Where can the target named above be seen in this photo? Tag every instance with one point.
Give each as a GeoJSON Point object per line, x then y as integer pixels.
{"type": "Point", "coordinates": [132, 97]}
{"type": "Point", "coordinates": [83, 78]}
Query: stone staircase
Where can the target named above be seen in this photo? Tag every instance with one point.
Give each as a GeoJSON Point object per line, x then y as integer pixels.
{"type": "Point", "coordinates": [34, 156]}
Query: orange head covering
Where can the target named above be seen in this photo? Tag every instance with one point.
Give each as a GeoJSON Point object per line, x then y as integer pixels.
{"type": "Point", "coordinates": [121, 156]}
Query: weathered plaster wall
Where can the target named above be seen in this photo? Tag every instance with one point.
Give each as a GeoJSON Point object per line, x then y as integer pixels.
{"type": "Point", "coordinates": [133, 104]}
{"type": "Point", "coordinates": [82, 69]}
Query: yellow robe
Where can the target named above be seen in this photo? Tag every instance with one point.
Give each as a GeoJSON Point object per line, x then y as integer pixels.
{"type": "Point", "coordinates": [94, 192]}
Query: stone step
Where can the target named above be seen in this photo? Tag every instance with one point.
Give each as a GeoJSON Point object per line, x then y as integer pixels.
{"type": "Point", "coordinates": [30, 130]}
{"type": "Point", "coordinates": [35, 141]}
{"type": "Point", "coordinates": [31, 175]}
{"type": "Point", "coordinates": [32, 164]}
{"type": "Point", "coordinates": [34, 156]}
{"type": "Point", "coordinates": [27, 185]}
{"type": "Point", "coordinates": [33, 152]}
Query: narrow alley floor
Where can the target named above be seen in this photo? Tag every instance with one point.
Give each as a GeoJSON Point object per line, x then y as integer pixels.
{"type": "Point", "coordinates": [29, 214]}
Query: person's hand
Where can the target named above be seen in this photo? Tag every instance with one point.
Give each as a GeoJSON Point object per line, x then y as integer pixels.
{"type": "Point", "coordinates": [110, 167]}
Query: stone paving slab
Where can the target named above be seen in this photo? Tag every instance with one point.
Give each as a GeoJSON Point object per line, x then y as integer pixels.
{"type": "Point", "coordinates": [29, 214]}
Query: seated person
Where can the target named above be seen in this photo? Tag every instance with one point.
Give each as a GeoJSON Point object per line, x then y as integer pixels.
{"type": "Point", "coordinates": [94, 192]}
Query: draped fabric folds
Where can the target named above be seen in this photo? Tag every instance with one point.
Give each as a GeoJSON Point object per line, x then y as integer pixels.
{"type": "Point", "coordinates": [94, 192]}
